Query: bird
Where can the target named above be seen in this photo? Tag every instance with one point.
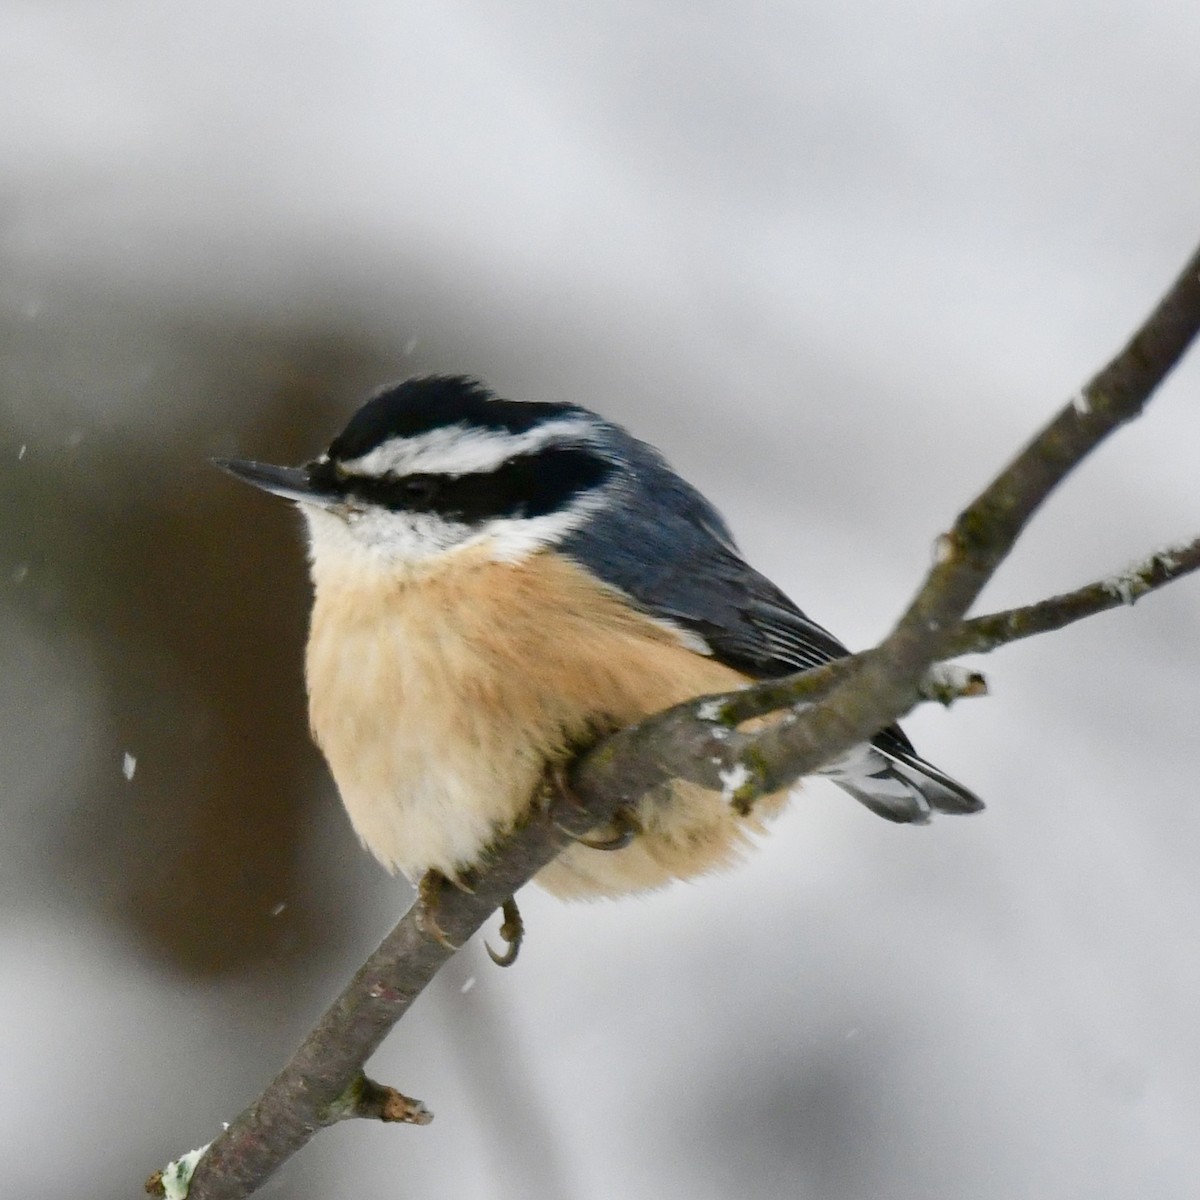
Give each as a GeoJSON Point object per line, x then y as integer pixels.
{"type": "Point", "coordinates": [497, 583]}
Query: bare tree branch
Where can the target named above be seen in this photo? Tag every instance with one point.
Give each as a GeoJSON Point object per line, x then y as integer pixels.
{"type": "Point", "coordinates": [699, 740]}
{"type": "Point", "coordinates": [314, 1088]}
{"type": "Point", "coordinates": [883, 685]}
{"type": "Point", "coordinates": [844, 703]}
{"type": "Point", "coordinates": [983, 634]}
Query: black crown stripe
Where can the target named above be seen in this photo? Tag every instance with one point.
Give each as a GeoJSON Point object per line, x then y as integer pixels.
{"type": "Point", "coordinates": [434, 402]}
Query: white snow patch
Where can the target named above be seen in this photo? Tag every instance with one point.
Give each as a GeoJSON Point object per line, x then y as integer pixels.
{"type": "Point", "coordinates": [21, 452]}
{"type": "Point", "coordinates": [1081, 404]}
{"type": "Point", "coordinates": [279, 908]}
{"type": "Point", "coordinates": [710, 710]}
{"type": "Point", "coordinates": [943, 549]}
{"type": "Point", "coordinates": [466, 987]}
{"type": "Point", "coordinates": [177, 1175]}
{"type": "Point", "coordinates": [949, 680]}
{"type": "Point", "coordinates": [1126, 586]}
{"type": "Point", "coordinates": [128, 765]}
{"type": "Point", "coordinates": [1129, 584]}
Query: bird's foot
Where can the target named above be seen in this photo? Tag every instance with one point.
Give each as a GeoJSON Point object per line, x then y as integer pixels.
{"type": "Point", "coordinates": [625, 824]}
{"type": "Point", "coordinates": [429, 896]}
{"type": "Point", "coordinates": [513, 933]}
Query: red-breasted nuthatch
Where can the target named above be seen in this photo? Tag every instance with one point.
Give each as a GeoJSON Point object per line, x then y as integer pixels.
{"type": "Point", "coordinates": [495, 583]}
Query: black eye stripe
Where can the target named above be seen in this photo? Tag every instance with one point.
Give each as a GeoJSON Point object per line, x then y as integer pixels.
{"type": "Point", "coordinates": [529, 485]}
{"type": "Point", "coordinates": [420, 490]}
{"type": "Point", "coordinates": [323, 477]}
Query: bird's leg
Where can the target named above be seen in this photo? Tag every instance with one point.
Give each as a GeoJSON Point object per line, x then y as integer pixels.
{"type": "Point", "coordinates": [625, 821]}
{"type": "Point", "coordinates": [513, 933]}
{"type": "Point", "coordinates": [429, 896]}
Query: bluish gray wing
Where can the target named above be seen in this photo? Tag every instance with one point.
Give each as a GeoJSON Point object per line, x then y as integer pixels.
{"type": "Point", "coordinates": [679, 563]}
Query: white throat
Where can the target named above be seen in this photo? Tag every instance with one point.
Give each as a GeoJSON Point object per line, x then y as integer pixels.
{"type": "Point", "coordinates": [349, 540]}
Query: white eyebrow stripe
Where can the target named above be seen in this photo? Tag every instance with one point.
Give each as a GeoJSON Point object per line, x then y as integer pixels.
{"type": "Point", "coordinates": [458, 450]}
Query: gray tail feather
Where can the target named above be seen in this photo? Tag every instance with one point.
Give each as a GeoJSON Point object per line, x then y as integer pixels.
{"type": "Point", "coordinates": [899, 786]}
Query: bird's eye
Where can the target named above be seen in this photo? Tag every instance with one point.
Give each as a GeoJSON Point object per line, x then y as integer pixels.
{"type": "Point", "coordinates": [418, 489]}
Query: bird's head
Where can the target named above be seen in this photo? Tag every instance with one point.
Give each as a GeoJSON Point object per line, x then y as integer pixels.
{"type": "Point", "coordinates": [437, 464]}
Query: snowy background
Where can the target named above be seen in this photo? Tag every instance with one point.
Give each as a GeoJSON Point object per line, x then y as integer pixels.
{"type": "Point", "coordinates": [838, 261]}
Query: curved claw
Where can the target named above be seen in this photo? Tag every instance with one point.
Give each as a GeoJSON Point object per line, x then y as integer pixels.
{"type": "Point", "coordinates": [625, 821]}
{"type": "Point", "coordinates": [429, 925]}
{"type": "Point", "coordinates": [567, 833]}
{"type": "Point", "coordinates": [507, 958]}
{"type": "Point", "coordinates": [556, 786]}
{"type": "Point", "coordinates": [618, 841]}
{"type": "Point", "coordinates": [429, 894]}
{"type": "Point", "coordinates": [512, 931]}
{"type": "Point", "coordinates": [461, 881]}
{"type": "Point", "coordinates": [627, 826]}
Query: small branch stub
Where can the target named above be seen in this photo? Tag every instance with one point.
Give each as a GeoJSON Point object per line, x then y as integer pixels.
{"type": "Point", "coordinates": [393, 1106]}
{"type": "Point", "coordinates": [376, 1102]}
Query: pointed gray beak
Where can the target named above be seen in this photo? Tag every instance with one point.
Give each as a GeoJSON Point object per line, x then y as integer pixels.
{"type": "Point", "coordinates": [292, 483]}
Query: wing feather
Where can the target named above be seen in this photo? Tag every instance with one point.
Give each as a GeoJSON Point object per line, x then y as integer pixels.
{"type": "Point", "coordinates": [680, 563]}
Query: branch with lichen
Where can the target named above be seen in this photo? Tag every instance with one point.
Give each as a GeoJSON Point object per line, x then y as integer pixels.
{"type": "Point", "coordinates": [810, 720]}
{"type": "Point", "coordinates": [705, 745]}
